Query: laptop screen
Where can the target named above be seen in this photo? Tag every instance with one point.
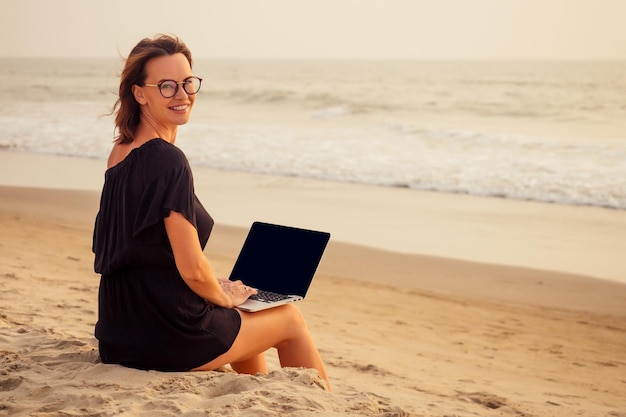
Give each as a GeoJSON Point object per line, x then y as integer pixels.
{"type": "Point", "coordinates": [280, 258]}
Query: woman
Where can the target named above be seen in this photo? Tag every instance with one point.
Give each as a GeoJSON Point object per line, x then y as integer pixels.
{"type": "Point", "coordinates": [160, 305]}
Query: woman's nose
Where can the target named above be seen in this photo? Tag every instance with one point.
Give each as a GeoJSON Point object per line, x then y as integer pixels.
{"type": "Point", "coordinates": [181, 93]}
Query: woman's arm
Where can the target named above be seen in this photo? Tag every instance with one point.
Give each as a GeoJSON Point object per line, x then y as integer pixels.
{"type": "Point", "coordinates": [195, 268]}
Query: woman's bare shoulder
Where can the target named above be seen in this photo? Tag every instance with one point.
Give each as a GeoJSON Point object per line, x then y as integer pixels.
{"type": "Point", "coordinates": [160, 150]}
{"type": "Point", "coordinates": [119, 152]}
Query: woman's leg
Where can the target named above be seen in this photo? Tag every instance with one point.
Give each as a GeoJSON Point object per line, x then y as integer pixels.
{"type": "Point", "coordinates": [254, 365]}
{"type": "Point", "coordinates": [283, 328]}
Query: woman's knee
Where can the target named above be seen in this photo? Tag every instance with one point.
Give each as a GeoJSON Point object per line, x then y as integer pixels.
{"type": "Point", "coordinates": [292, 319]}
{"type": "Point", "coordinates": [295, 314]}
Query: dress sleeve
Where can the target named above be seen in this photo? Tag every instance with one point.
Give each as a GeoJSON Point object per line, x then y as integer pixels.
{"type": "Point", "coordinates": [170, 188]}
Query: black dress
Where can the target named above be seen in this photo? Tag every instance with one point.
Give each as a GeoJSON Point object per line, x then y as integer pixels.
{"type": "Point", "coordinates": [148, 318]}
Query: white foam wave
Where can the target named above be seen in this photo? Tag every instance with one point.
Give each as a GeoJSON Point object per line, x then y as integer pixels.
{"type": "Point", "coordinates": [47, 113]}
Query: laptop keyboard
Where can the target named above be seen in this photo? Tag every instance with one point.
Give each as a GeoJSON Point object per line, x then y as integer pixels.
{"type": "Point", "coordinates": [268, 296]}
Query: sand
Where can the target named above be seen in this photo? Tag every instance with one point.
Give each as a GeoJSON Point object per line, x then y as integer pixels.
{"type": "Point", "coordinates": [404, 331]}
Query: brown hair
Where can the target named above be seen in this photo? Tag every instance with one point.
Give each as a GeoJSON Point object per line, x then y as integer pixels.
{"type": "Point", "coordinates": [127, 110]}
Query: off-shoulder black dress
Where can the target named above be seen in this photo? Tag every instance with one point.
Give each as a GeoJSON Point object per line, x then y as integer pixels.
{"type": "Point", "coordinates": [148, 318]}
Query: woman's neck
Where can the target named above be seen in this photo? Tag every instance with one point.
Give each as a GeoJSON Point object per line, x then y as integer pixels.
{"type": "Point", "coordinates": [149, 129]}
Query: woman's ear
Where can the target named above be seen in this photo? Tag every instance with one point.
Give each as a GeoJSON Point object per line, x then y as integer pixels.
{"type": "Point", "coordinates": [138, 93]}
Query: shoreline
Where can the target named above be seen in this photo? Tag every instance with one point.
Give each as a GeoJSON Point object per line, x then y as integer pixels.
{"type": "Point", "coordinates": [577, 240]}
{"type": "Point", "coordinates": [438, 276]}
{"type": "Point", "coordinates": [394, 270]}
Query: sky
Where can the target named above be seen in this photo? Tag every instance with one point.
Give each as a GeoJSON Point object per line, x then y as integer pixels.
{"type": "Point", "coordinates": [321, 29]}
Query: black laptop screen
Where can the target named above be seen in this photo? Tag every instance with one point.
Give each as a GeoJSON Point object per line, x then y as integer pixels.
{"type": "Point", "coordinates": [280, 258]}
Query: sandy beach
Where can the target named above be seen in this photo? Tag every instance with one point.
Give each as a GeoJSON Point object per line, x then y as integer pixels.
{"type": "Point", "coordinates": [424, 305]}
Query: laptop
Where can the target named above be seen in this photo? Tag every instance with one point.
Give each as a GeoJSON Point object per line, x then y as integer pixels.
{"type": "Point", "coordinates": [279, 261]}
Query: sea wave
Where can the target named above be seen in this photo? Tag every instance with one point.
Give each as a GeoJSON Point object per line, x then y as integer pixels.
{"type": "Point", "coordinates": [54, 107]}
{"type": "Point", "coordinates": [521, 105]}
{"type": "Point", "coordinates": [443, 160]}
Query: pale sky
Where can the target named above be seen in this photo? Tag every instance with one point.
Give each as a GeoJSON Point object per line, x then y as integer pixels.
{"type": "Point", "coordinates": [344, 29]}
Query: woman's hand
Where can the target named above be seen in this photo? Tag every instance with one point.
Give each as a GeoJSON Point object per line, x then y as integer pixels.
{"type": "Point", "coordinates": [236, 290]}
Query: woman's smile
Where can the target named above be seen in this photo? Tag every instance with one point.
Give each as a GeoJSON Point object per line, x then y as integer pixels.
{"type": "Point", "coordinates": [180, 108]}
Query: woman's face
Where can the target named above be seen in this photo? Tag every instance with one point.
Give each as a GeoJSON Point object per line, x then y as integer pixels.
{"type": "Point", "coordinates": [172, 111]}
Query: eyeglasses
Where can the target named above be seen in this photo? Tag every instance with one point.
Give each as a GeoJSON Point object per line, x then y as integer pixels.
{"type": "Point", "coordinates": [169, 88]}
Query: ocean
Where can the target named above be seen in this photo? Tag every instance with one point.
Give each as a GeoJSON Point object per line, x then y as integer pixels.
{"type": "Point", "coordinates": [540, 131]}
